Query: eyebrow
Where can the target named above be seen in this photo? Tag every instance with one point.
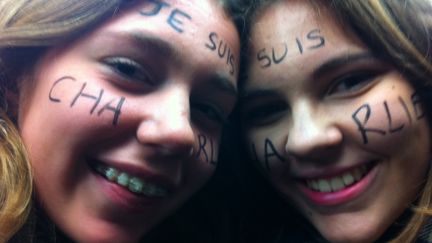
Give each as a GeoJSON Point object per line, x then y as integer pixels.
{"type": "Point", "coordinates": [340, 61]}
{"type": "Point", "coordinates": [257, 93]}
{"type": "Point", "coordinates": [158, 45]}
{"type": "Point", "coordinates": [222, 83]}
{"type": "Point", "coordinates": [154, 43]}
{"type": "Point", "coordinates": [218, 81]}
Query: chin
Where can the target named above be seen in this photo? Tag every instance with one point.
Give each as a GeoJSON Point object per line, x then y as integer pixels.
{"type": "Point", "coordinates": [107, 238]}
{"type": "Point", "coordinates": [353, 235]}
{"type": "Point", "coordinates": [93, 235]}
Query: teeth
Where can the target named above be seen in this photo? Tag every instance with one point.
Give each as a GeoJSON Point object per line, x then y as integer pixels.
{"type": "Point", "coordinates": [357, 174]}
{"type": "Point", "coordinates": [134, 184]}
{"type": "Point", "coordinates": [123, 179]}
{"type": "Point", "coordinates": [337, 183]}
{"type": "Point", "coordinates": [348, 179]}
{"type": "Point", "coordinates": [111, 174]}
{"type": "Point", "coordinates": [324, 186]}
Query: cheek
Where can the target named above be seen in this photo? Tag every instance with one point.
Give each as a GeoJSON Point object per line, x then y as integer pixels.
{"type": "Point", "coordinates": [206, 150]}
{"type": "Point", "coordinates": [84, 98]}
{"type": "Point", "coordinates": [204, 161]}
{"type": "Point", "coordinates": [266, 149]}
{"type": "Point", "coordinates": [390, 123]}
{"type": "Point", "coordinates": [69, 115]}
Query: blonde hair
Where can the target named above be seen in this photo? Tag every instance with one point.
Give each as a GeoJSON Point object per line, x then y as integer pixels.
{"type": "Point", "coordinates": [27, 28]}
{"type": "Point", "coordinates": [15, 180]}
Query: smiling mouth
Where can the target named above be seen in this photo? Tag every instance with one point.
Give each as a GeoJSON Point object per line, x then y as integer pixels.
{"type": "Point", "coordinates": [340, 182]}
{"type": "Point", "coordinates": [132, 183]}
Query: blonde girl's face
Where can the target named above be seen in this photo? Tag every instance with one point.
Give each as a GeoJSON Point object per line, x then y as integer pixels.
{"type": "Point", "coordinates": [123, 126]}
{"type": "Point", "coordinates": [338, 132]}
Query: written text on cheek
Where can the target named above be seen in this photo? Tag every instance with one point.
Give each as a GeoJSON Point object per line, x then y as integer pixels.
{"type": "Point", "coordinates": [206, 146]}
{"type": "Point", "coordinates": [363, 114]}
{"type": "Point", "coordinates": [361, 117]}
{"type": "Point", "coordinates": [114, 105]}
{"type": "Point", "coordinates": [269, 152]}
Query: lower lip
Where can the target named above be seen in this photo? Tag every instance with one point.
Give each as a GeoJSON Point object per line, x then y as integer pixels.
{"type": "Point", "coordinates": [343, 196]}
{"type": "Point", "coordinates": [122, 198]}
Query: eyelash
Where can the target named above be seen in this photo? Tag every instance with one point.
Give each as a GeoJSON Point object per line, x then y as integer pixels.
{"type": "Point", "coordinates": [211, 112]}
{"type": "Point", "coordinates": [130, 70]}
{"type": "Point", "coordinates": [354, 83]}
{"type": "Point", "coordinates": [264, 113]}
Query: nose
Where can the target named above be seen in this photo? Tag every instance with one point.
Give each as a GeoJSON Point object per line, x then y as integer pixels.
{"type": "Point", "coordinates": [167, 127]}
{"type": "Point", "coordinates": [313, 133]}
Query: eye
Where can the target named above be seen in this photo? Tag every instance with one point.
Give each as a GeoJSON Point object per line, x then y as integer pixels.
{"type": "Point", "coordinates": [352, 83]}
{"type": "Point", "coordinates": [260, 113]}
{"type": "Point", "coordinates": [129, 70]}
{"type": "Point", "coordinates": [203, 111]}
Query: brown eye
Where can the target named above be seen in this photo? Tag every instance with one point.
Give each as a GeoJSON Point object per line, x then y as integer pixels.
{"type": "Point", "coordinates": [129, 70]}
{"type": "Point", "coordinates": [208, 111]}
{"type": "Point", "coordinates": [352, 83]}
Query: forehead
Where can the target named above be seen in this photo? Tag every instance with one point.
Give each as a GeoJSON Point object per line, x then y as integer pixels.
{"type": "Point", "coordinates": [294, 19]}
{"type": "Point", "coordinates": [179, 11]}
{"type": "Point", "coordinates": [182, 31]}
{"type": "Point", "coordinates": [185, 18]}
{"type": "Point", "coordinates": [309, 34]}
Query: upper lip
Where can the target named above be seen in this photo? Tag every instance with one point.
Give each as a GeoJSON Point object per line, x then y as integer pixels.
{"type": "Point", "coordinates": [135, 170]}
{"type": "Point", "coordinates": [326, 172]}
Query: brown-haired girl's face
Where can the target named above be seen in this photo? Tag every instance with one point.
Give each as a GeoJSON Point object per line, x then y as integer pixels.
{"type": "Point", "coordinates": [339, 133]}
{"type": "Point", "coordinates": [124, 125]}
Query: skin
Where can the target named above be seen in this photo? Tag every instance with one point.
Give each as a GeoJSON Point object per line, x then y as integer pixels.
{"type": "Point", "coordinates": [299, 123]}
{"type": "Point", "coordinates": [151, 114]}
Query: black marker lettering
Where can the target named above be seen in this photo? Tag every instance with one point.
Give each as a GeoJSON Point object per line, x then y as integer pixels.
{"type": "Point", "coordinates": [315, 35]}
{"type": "Point", "coordinates": [89, 96]}
{"type": "Point", "coordinates": [212, 37]}
{"type": "Point", "coordinates": [212, 154]}
{"type": "Point", "coordinates": [116, 109]}
{"type": "Point", "coordinates": [278, 60]}
{"type": "Point", "coordinates": [51, 97]}
{"type": "Point", "coordinates": [176, 23]}
{"type": "Point", "coordinates": [157, 8]}
{"type": "Point", "coordinates": [254, 153]}
{"type": "Point", "coordinates": [402, 102]}
{"type": "Point", "coordinates": [224, 50]}
{"type": "Point", "coordinates": [389, 119]}
{"type": "Point", "coordinates": [269, 145]}
{"type": "Point", "coordinates": [418, 109]}
{"type": "Point", "coordinates": [231, 61]}
{"type": "Point", "coordinates": [361, 124]}
{"type": "Point", "coordinates": [299, 45]}
{"type": "Point", "coordinates": [202, 141]}
{"type": "Point", "coordinates": [261, 56]}
{"type": "Point", "coordinates": [228, 56]}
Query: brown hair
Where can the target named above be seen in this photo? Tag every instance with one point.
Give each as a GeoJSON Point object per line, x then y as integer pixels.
{"type": "Point", "coordinates": [399, 33]}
